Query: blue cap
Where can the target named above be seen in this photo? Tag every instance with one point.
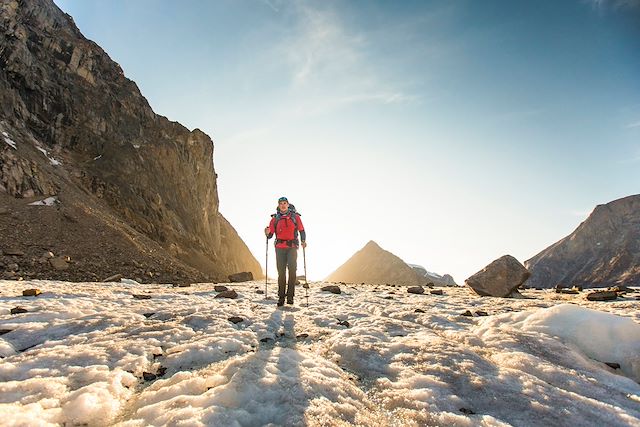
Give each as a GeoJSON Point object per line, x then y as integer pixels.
{"type": "Point", "coordinates": [282, 199]}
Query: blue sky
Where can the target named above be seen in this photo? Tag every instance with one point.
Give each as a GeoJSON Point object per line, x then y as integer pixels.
{"type": "Point", "coordinates": [449, 132]}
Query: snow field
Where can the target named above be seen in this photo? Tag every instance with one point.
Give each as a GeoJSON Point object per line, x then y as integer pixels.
{"type": "Point", "coordinates": [79, 355]}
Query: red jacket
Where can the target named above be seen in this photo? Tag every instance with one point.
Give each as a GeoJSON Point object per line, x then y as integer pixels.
{"type": "Point", "coordinates": [286, 230]}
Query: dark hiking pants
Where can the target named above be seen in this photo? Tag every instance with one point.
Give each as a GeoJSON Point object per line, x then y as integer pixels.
{"type": "Point", "coordinates": [286, 258]}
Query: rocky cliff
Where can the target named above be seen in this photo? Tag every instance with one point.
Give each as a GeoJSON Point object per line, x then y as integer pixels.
{"type": "Point", "coordinates": [603, 251]}
{"type": "Point", "coordinates": [75, 127]}
{"type": "Point", "coordinates": [374, 265]}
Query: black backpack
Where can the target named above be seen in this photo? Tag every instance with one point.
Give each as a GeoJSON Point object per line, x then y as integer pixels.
{"type": "Point", "coordinates": [293, 215]}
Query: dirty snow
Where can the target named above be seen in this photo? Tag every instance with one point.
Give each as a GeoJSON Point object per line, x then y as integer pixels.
{"type": "Point", "coordinates": [49, 201]}
{"type": "Point", "coordinates": [81, 352]}
{"type": "Point", "coordinates": [53, 161]}
{"type": "Point", "coordinates": [8, 140]}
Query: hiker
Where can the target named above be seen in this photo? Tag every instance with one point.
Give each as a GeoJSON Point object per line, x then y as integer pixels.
{"type": "Point", "coordinates": [286, 224]}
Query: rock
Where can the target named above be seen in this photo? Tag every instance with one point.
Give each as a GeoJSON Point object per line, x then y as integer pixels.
{"type": "Point", "coordinates": [612, 365]}
{"type": "Point", "coordinates": [388, 297]}
{"type": "Point", "coordinates": [141, 296]}
{"type": "Point", "coordinates": [259, 291]}
{"type": "Point", "coordinates": [235, 319]}
{"type": "Point", "coordinates": [467, 411]}
{"type": "Point", "coordinates": [220, 288]}
{"type": "Point", "coordinates": [266, 339]}
{"type": "Point", "coordinates": [436, 292]}
{"type": "Point", "coordinates": [228, 294]}
{"type": "Point", "coordinates": [481, 313]}
{"type": "Point", "coordinates": [415, 290]}
{"type": "Point", "coordinates": [13, 252]}
{"type": "Point", "coordinates": [245, 276]}
{"type": "Point", "coordinates": [31, 292]}
{"type": "Point", "coordinates": [500, 278]}
{"type": "Point", "coordinates": [148, 376]}
{"type": "Point", "coordinates": [13, 267]}
{"type": "Point", "coordinates": [161, 371]}
{"type": "Point", "coordinates": [567, 291]}
{"type": "Point", "coordinates": [114, 278]}
{"type": "Point", "coordinates": [344, 323]}
{"type": "Point", "coordinates": [19, 310]}
{"type": "Point", "coordinates": [419, 310]}
{"type": "Point", "coordinates": [148, 315]}
{"type": "Point", "coordinates": [467, 313]}
{"type": "Point", "coordinates": [602, 296]}
{"type": "Point", "coordinates": [59, 263]}
{"type": "Point", "coordinates": [302, 336]}
{"type": "Point", "coordinates": [334, 289]}
{"type": "Point", "coordinates": [5, 331]}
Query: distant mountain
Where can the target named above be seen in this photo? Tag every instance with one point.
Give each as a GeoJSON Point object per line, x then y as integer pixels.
{"type": "Point", "coordinates": [435, 278]}
{"type": "Point", "coordinates": [603, 251]}
{"type": "Point", "coordinates": [374, 265]}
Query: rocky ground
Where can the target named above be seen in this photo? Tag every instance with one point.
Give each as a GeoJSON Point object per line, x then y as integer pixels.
{"type": "Point", "coordinates": [75, 241]}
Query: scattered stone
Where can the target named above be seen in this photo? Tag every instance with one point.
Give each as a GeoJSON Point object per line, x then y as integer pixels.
{"type": "Point", "coordinates": [481, 313]}
{"type": "Point", "coordinates": [612, 365]}
{"type": "Point", "coordinates": [334, 289]}
{"type": "Point", "coordinates": [500, 278]}
{"type": "Point", "coordinates": [220, 288]}
{"type": "Point", "coordinates": [467, 411]}
{"type": "Point", "coordinates": [114, 278]}
{"type": "Point", "coordinates": [181, 285]}
{"type": "Point", "coordinates": [161, 371]}
{"type": "Point", "coordinates": [577, 288]}
{"type": "Point", "coordinates": [467, 313]}
{"type": "Point", "coordinates": [388, 297]}
{"type": "Point", "coordinates": [602, 296]}
{"type": "Point", "coordinates": [148, 315]}
{"type": "Point", "coordinates": [415, 290]}
{"type": "Point", "coordinates": [245, 276]}
{"type": "Point", "coordinates": [31, 292]}
{"type": "Point", "coordinates": [148, 376]}
{"type": "Point", "coordinates": [59, 263]}
{"type": "Point", "coordinates": [344, 323]}
{"type": "Point", "coordinates": [436, 292]}
{"type": "Point", "coordinates": [235, 319]}
{"type": "Point", "coordinates": [5, 331]}
{"type": "Point", "coordinates": [228, 294]}
{"type": "Point", "coordinates": [259, 291]}
{"type": "Point", "coordinates": [302, 336]}
{"type": "Point", "coordinates": [419, 310]}
{"type": "Point", "coordinates": [567, 291]}
{"type": "Point", "coordinates": [141, 296]}
{"type": "Point", "coordinates": [19, 310]}
{"type": "Point", "coordinates": [266, 339]}
{"type": "Point", "coordinates": [13, 252]}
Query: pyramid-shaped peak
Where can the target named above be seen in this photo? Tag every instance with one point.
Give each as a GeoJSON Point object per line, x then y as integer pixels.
{"type": "Point", "coordinates": [372, 245]}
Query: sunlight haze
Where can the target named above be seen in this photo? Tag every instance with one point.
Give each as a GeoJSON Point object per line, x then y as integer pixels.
{"type": "Point", "coordinates": [450, 133]}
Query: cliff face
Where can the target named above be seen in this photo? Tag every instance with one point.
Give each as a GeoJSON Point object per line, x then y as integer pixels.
{"type": "Point", "coordinates": [603, 251]}
{"type": "Point", "coordinates": [374, 265]}
{"type": "Point", "coordinates": [62, 99]}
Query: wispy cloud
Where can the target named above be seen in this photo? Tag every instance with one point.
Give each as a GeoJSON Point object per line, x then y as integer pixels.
{"type": "Point", "coordinates": [271, 5]}
{"type": "Point", "coordinates": [633, 125]}
{"type": "Point", "coordinates": [614, 4]}
{"type": "Point", "coordinates": [327, 59]}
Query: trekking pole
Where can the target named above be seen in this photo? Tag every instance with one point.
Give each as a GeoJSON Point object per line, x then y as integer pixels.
{"type": "Point", "coordinates": [306, 282]}
{"type": "Point", "coordinates": [266, 267]}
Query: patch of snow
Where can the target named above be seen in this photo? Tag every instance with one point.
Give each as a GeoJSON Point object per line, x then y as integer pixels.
{"type": "Point", "coordinates": [97, 157]}
{"type": "Point", "coordinates": [49, 201]}
{"type": "Point", "coordinates": [53, 161]}
{"type": "Point", "coordinates": [9, 141]}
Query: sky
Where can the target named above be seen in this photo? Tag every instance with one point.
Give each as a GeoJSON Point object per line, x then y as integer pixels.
{"type": "Point", "coordinates": [449, 132]}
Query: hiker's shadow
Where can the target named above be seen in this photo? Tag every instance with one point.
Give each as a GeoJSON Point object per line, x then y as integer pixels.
{"type": "Point", "coordinates": [269, 385]}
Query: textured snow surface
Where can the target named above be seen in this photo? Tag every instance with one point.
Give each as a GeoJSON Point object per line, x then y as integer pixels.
{"type": "Point", "coordinates": [364, 357]}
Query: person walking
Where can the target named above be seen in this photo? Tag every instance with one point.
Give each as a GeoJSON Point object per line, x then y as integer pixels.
{"type": "Point", "coordinates": [286, 225]}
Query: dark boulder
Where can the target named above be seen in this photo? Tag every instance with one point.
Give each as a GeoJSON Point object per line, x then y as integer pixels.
{"type": "Point", "coordinates": [500, 278]}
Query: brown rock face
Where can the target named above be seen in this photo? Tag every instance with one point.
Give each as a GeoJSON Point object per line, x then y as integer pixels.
{"type": "Point", "coordinates": [500, 278]}
{"type": "Point", "coordinates": [63, 100]}
{"type": "Point", "coordinates": [374, 265]}
{"type": "Point", "coordinates": [603, 251]}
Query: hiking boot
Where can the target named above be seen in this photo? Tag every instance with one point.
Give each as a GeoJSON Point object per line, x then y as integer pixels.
{"type": "Point", "coordinates": [280, 303]}
{"type": "Point", "coordinates": [289, 301]}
